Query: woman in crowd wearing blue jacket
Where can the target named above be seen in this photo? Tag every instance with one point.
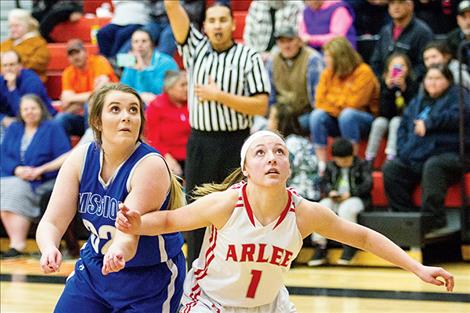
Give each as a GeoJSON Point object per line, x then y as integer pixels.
{"type": "Point", "coordinates": [428, 137]}
{"type": "Point", "coordinates": [29, 143]}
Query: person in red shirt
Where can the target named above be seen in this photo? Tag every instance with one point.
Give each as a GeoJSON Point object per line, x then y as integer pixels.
{"type": "Point", "coordinates": [167, 128]}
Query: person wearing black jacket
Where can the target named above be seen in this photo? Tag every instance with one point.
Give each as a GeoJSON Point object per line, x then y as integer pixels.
{"type": "Point", "coordinates": [347, 182]}
{"type": "Point", "coordinates": [428, 145]}
{"type": "Point", "coordinates": [49, 13]}
{"type": "Point", "coordinates": [406, 34]}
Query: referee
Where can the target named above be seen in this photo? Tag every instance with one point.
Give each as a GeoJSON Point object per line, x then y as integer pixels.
{"type": "Point", "coordinates": [227, 85]}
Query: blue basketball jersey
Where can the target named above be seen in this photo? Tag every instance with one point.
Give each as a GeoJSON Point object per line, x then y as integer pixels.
{"type": "Point", "coordinates": [99, 203]}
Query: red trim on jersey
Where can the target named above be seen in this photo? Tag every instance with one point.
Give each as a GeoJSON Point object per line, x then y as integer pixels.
{"type": "Point", "coordinates": [209, 256]}
{"type": "Point", "coordinates": [201, 273]}
{"type": "Point", "coordinates": [249, 210]}
{"type": "Point", "coordinates": [286, 209]}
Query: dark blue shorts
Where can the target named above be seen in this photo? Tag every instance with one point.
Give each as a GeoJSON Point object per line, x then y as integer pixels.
{"type": "Point", "coordinates": [137, 289]}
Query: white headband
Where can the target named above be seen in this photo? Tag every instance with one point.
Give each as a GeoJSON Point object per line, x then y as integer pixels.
{"type": "Point", "coordinates": [250, 140]}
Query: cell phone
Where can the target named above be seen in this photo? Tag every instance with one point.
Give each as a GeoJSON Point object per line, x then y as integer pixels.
{"type": "Point", "coordinates": [126, 60]}
{"type": "Point", "coordinates": [396, 70]}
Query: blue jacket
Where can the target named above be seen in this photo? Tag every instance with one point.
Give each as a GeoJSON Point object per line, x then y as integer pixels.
{"type": "Point", "coordinates": [151, 78]}
{"type": "Point", "coordinates": [49, 142]}
{"type": "Point", "coordinates": [27, 82]}
{"type": "Point", "coordinates": [442, 127]}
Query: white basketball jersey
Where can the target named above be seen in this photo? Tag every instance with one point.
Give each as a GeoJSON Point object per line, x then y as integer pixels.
{"type": "Point", "coordinates": [242, 263]}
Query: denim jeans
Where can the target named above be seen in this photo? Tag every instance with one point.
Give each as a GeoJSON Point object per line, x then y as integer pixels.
{"type": "Point", "coordinates": [351, 124]}
{"type": "Point", "coordinates": [112, 37]}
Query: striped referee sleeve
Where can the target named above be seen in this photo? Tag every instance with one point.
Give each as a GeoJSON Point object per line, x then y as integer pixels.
{"type": "Point", "coordinates": [189, 48]}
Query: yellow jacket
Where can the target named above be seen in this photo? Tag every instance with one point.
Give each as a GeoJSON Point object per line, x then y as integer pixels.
{"type": "Point", "coordinates": [33, 52]}
{"type": "Point", "coordinates": [360, 90]}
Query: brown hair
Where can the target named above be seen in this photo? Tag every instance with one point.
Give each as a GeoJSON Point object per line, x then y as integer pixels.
{"type": "Point", "coordinates": [398, 55]}
{"type": "Point", "coordinates": [96, 101]}
{"type": "Point", "coordinates": [177, 198]}
{"type": "Point", "coordinates": [44, 112]}
{"type": "Point", "coordinates": [345, 58]}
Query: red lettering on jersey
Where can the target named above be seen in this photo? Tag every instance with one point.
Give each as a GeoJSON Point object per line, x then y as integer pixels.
{"type": "Point", "coordinates": [277, 254]}
{"type": "Point", "coordinates": [248, 249]}
{"type": "Point", "coordinates": [287, 258]}
{"type": "Point", "coordinates": [231, 253]}
{"type": "Point", "coordinates": [261, 257]}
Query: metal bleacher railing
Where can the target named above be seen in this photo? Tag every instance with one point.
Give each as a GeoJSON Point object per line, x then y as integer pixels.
{"type": "Point", "coordinates": [464, 155]}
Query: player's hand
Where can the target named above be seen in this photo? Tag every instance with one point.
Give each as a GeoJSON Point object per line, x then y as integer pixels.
{"type": "Point", "coordinates": [209, 91]}
{"type": "Point", "coordinates": [128, 221]}
{"type": "Point", "coordinates": [113, 261]}
{"type": "Point", "coordinates": [51, 260]}
{"type": "Point", "coordinates": [430, 274]}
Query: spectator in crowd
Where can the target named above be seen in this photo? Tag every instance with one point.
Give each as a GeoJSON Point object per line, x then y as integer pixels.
{"type": "Point", "coordinates": [406, 34]}
{"type": "Point", "coordinates": [29, 142]}
{"type": "Point", "coordinates": [428, 138]}
{"type": "Point", "coordinates": [264, 18]}
{"type": "Point", "coordinates": [371, 16]}
{"type": "Point", "coordinates": [128, 16]}
{"type": "Point", "coordinates": [294, 73]}
{"type": "Point", "coordinates": [437, 52]}
{"type": "Point", "coordinates": [167, 128]}
{"type": "Point", "coordinates": [322, 20]}
{"type": "Point", "coordinates": [437, 14]}
{"type": "Point", "coordinates": [15, 82]}
{"type": "Point", "coordinates": [455, 37]}
{"type": "Point", "coordinates": [228, 85]}
{"type": "Point", "coordinates": [347, 98]}
{"type": "Point", "coordinates": [347, 183]}
{"type": "Point", "coordinates": [397, 87]}
{"type": "Point", "coordinates": [304, 176]}
{"type": "Point", "coordinates": [25, 39]}
{"type": "Point", "coordinates": [49, 13]}
{"type": "Point", "coordinates": [85, 74]}
{"type": "Point", "coordinates": [146, 75]}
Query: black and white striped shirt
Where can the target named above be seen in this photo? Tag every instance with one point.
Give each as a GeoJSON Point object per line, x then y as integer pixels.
{"type": "Point", "coordinates": [238, 70]}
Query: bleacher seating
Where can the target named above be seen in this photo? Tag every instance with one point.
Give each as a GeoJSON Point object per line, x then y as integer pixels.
{"type": "Point", "coordinates": [90, 6]}
{"type": "Point", "coordinates": [81, 29]}
{"type": "Point", "coordinates": [239, 17]}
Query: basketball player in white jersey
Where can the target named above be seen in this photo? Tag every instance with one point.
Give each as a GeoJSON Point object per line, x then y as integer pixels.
{"type": "Point", "coordinates": [254, 231]}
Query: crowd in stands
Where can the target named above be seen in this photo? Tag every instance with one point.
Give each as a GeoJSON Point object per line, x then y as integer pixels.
{"type": "Point", "coordinates": [301, 68]}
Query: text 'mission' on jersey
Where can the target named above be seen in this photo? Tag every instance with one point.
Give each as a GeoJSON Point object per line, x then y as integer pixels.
{"type": "Point", "coordinates": [238, 70]}
{"type": "Point", "coordinates": [99, 203]}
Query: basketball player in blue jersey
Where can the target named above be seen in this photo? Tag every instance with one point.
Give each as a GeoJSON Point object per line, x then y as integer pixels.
{"type": "Point", "coordinates": [254, 231]}
{"type": "Point", "coordinates": [117, 168]}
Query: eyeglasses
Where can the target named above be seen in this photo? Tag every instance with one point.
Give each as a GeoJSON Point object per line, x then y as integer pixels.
{"type": "Point", "coordinates": [10, 64]}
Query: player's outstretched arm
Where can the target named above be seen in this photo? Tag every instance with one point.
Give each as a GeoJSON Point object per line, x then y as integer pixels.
{"type": "Point", "coordinates": [146, 194]}
{"type": "Point", "coordinates": [213, 209]}
{"type": "Point", "coordinates": [60, 211]}
{"type": "Point", "coordinates": [313, 217]}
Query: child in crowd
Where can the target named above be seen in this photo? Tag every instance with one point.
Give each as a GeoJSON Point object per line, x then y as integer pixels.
{"type": "Point", "coordinates": [437, 52]}
{"type": "Point", "coordinates": [347, 181]}
{"type": "Point", "coordinates": [305, 177]}
{"type": "Point", "coordinates": [398, 87]}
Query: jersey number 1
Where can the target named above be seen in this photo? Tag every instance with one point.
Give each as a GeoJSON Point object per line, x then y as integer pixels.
{"type": "Point", "coordinates": [255, 278]}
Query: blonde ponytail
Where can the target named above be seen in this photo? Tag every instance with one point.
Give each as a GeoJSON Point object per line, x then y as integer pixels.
{"type": "Point", "coordinates": [177, 198]}
{"type": "Point", "coordinates": [235, 177]}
